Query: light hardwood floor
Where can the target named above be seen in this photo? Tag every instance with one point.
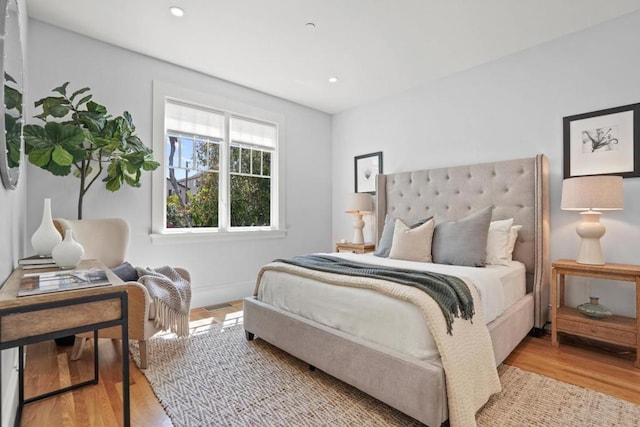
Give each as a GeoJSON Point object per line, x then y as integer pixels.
{"type": "Point", "coordinates": [48, 367]}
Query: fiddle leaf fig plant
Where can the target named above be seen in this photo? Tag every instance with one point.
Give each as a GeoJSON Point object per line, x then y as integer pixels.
{"type": "Point", "coordinates": [79, 136]}
{"type": "Point", "coordinates": [12, 120]}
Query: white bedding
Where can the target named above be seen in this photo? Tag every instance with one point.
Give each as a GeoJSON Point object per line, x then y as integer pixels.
{"type": "Point", "coordinates": [381, 319]}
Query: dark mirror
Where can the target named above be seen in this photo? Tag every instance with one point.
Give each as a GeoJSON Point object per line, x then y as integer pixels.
{"type": "Point", "coordinates": [12, 68]}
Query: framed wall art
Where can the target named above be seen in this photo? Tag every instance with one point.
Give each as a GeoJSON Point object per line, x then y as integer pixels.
{"type": "Point", "coordinates": [605, 142]}
{"type": "Point", "coordinates": [366, 167]}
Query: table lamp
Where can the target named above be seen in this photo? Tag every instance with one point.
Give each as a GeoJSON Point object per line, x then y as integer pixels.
{"type": "Point", "coordinates": [357, 205]}
{"type": "Point", "coordinates": [589, 194]}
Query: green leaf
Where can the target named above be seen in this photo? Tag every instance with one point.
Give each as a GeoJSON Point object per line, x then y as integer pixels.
{"type": "Point", "coordinates": [34, 136]}
{"type": "Point", "coordinates": [40, 156]}
{"type": "Point", "coordinates": [62, 90]}
{"type": "Point", "coordinates": [150, 164]}
{"type": "Point", "coordinates": [113, 184]}
{"type": "Point", "coordinates": [12, 99]}
{"type": "Point", "coordinates": [61, 156]}
{"type": "Point", "coordinates": [83, 100]}
{"type": "Point", "coordinates": [55, 107]}
{"type": "Point", "coordinates": [78, 92]}
{"type": "Point", "coordinates": [58, 170]}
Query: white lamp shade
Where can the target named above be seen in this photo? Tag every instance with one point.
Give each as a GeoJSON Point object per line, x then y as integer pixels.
{"type": "Point", "coordinates": [602, 192]}
{"type": "Point", "coordinates": [359, 203]}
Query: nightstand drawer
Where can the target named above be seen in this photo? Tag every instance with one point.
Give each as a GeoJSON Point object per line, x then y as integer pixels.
{"type": "Point", "coordinates": [603, 332]}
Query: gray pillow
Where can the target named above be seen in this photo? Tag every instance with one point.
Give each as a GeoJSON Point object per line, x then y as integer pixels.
{"type": "Point", "coordinates": [384, 244]}
{"type": "Point", "coordinates": [462, 242]}
{"type": "Point", "coordinates": [126, 272]}
{"type": "Point", "coordinates": [386, 239]}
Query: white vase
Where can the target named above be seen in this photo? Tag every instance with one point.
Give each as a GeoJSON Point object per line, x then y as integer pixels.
{"type": "Point", "coordinates": [46, 237]}
{"type": "Point", "coordinates": [68, 253]}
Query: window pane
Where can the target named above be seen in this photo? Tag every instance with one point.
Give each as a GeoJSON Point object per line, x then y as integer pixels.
{"type": "Point", "coordinates": [201, 154]}
{"type": "Point", "coordinates": [250, 201]}
{"type": "Point", "coordinates": [204, 202]}
{"type": "Point", "coordinates": [214, 156]}
{"type": "Point", "coordinates": [266, 163]}
{"type": "Point", "coordinates": [256, 162]}
{"type": "Point", "coordinates": [186, 152]}
{"type": "Point", "coordinates": [192, 199]}
{"type": "Point", "coordinates": [235, 159]}
{"type": "Point", "coordinates": [172, 150]}
{"type": "Point", "coordinates": [245, 155]}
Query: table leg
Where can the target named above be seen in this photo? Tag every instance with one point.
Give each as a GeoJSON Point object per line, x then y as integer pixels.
{"type": "Point", "coordinates": [637, 364]}
{"type": "Point", "coordinates": [554, 307]}
{"type": "Point", "coordinates": [125, 363]}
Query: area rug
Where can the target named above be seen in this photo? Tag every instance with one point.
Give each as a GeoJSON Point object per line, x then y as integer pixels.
{"type": "Point", "coordinates": [217, 378]}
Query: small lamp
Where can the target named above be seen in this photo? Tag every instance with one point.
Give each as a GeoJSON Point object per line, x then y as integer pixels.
{"type": "Point", "coordinates": [588, 193]}
{"type": "Point", "coordinates": [358, 204]}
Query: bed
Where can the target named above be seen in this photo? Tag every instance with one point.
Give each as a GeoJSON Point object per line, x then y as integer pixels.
{"type": "Point", "coordinates": [412, 380]}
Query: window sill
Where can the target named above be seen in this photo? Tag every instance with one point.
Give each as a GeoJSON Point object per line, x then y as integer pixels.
{"type": "Point", "coordinates": [214, 236]}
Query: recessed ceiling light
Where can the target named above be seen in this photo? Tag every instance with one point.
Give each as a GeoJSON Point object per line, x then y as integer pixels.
{"type": "Point", "coordinates": [310, 25]}
{"type": "Point", "coordinates": [176, 11]}
{"type": "Point", "coordinates": [333, 79]}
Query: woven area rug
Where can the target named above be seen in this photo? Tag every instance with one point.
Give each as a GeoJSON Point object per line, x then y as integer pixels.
{"type": "Point", "coordinates": [217, 378]}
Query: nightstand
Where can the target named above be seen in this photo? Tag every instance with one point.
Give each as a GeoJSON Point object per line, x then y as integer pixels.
{"type": "Point", "coordinates": [356, 248]}
{"type": "Point", "coordinates": [619, 330]}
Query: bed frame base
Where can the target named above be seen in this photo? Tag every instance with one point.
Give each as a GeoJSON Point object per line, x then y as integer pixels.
{"type": "Point", "coordinates": [412, 386]}
{"type": "Point", "coordinates": [415, 387]}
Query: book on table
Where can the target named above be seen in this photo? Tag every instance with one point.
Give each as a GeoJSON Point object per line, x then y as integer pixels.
{"type": "Point", "coordinates": [35, 260]}
{"type": "Point", "coordinates": [38, 266]}
{"type": "Point", "coordinates": [57, 281]}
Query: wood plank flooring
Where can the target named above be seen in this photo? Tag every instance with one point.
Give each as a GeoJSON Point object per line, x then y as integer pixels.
{"type": "Point", "coordinates": [48, 367]}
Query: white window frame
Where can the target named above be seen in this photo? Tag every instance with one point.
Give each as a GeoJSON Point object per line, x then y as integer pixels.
{"type": "Point", "coordinates": [162, 92]}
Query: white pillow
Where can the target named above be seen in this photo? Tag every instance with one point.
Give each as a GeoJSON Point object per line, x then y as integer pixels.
{"type": "Point", "coordinates": [412, 244]}
{"type": "Point", "coordinates": [513, 237]}
{"type": "Point", "coordinates": [498, 242]}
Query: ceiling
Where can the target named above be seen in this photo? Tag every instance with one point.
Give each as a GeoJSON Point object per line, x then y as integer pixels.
{"type": "Point", "coordinates": [374, 47]}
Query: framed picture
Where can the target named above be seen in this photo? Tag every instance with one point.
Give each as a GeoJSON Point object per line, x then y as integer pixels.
{"type": "Point", "coordinates": [366, 167]}
{"type": "Point", "coordinates": [605, 142]}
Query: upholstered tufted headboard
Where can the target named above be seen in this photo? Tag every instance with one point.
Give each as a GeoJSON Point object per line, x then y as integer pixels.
{"type": "Point", "coordinates": [515, 188]}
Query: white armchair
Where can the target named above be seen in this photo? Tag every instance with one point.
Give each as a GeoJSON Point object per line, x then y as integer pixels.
{"type": "Point", "coordinates": [106, 240]}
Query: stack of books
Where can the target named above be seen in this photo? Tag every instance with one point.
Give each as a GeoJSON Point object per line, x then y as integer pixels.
{"type": "Point", "coordinates": [57, 281]}
{"type": "Point", "coordinates": [36, 261]}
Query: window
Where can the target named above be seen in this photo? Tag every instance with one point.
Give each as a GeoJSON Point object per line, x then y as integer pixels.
{"type": "Point", "coordinates": [221, 173]}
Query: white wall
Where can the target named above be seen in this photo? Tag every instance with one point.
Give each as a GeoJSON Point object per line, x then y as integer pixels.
{"type": "Point", "coordinates": [122, 80]}
{"type": "Point", "coordinates": [509, 108]}
{"type": "Point", "coordinates": [12, 237]}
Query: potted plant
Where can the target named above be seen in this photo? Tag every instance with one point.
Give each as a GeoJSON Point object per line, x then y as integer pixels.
{"type": "Point", "coordinates": [80, 136]}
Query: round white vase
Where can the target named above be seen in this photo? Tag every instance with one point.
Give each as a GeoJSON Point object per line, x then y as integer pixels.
{"type": "Point", "coordinates": [68, 253]}
{"type": "Point", "coordinates": [46, 237]}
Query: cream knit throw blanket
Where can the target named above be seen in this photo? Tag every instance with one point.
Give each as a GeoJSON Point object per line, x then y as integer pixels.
{"type": "Point", "coordinates": [171, 296]}
{"type": "Point", "coordinates": [467, 355]}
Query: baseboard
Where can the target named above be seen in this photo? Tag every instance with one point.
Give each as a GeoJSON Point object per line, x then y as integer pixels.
{"type": "Point", "coordinates": [10, 394]}
{"type": "Point", "coordinates": [216, 294]}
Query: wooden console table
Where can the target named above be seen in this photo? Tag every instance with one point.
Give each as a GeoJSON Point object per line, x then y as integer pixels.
{"type": "Point", "coordinates": [32, 319]}
{"type": "Point", "coordinates": [620, 330]}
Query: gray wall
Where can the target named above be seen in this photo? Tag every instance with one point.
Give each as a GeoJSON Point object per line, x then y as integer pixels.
{"type": "Point", "coordinates": [13, 238]}
{"type": "Point", "coordinates": [509, 108]}
{"type": "Point", "coordinates": [122, 80]}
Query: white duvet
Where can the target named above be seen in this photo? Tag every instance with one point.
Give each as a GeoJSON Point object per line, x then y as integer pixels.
{"type": "Point", "coordinates": [386, 321]}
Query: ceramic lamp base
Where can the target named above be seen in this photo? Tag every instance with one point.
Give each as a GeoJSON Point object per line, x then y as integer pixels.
{"type": "Point", "coordinates": [590, 230]}
{"type": "Point", "coordinates": [358, 225]}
